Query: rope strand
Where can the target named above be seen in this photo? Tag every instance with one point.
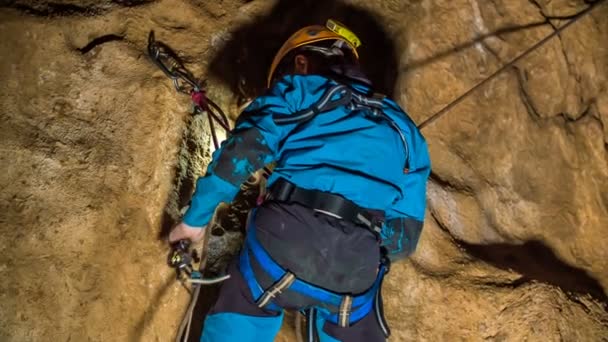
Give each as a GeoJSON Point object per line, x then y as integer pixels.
{"type": "Point", "coordinates": [459, 99]}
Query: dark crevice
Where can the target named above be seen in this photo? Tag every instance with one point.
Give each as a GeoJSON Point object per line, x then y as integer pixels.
{"type": "Point", "coordinates": [570, 119]}
{"type": "Point", "coordinates": [253, 45]}
{"type": "Point", "coordinates": [50, 9]}
{"type": "Point", "coordinates": [184, 181]}
{"type": "Point", "coordinates": [446, 184]}
{"type": "Point", "coordinates": [445, 228]}
{"type": "Point", "coordinates": [538, 6]}
{"type": "Point", "coordinates": [492, 51]}
{"type": "Point", "coordinates": [132, 3]}
{"type": "Point", "coordinates": [536, 261]}
{"type": "Point", "coordinates": [58, 9]}
{"type": "Point", "coordinates": [479, 38]}
{"type": "Point", "coordinates": [507, 285]}
{"type": "Point", "coordinates": [556, 17]}
{"type": "Point", "coordinates": [570, 66]}
{"type": "Point", "coordinates": [521, 80]}
{"type": "Point", "coordinates": [563, 17]}
{"type": "Point", "coordinates": [571, 72]}
{"type": "Point", "coordinates": [99, 41]}
{"type": "Point", "coordinates": [520, 75]}
{"type": "Point", "coordinates": [586, 306]}
{"type": "Point", "coordinates": [550, 22]}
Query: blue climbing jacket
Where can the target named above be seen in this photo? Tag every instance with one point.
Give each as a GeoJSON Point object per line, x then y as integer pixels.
{"type": "Point", "coordinates": [344, 151]}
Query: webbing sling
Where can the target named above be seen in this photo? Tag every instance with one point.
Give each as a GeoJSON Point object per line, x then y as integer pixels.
{"type": "Point", "coordinates": [361, 304]}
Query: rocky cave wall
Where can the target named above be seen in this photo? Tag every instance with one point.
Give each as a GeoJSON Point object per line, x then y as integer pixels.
{"type": "Point", "coordinates": [97, 151]}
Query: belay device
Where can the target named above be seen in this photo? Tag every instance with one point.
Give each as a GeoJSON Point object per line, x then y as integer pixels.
{"type": "Point", "coordinates": [181, 259]}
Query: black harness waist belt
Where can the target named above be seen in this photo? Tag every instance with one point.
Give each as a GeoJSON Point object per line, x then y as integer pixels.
{"type": "Point", "coordinates": [327, 203]}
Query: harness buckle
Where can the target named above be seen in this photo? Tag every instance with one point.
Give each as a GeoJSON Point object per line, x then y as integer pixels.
{"type": "Point", "coordinates": [277, 288]}
{"type": "Point", "coordinates": [345, 311]}
{"type": "Point", "coordinates": [372, 222]}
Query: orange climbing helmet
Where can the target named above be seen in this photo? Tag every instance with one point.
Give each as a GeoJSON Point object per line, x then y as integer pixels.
{"type": "Point", "coordinates": [333, 30]}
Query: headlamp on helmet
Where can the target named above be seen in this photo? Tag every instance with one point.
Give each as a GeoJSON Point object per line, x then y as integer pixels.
{"type": "Point", "coordinates": [306, 37]}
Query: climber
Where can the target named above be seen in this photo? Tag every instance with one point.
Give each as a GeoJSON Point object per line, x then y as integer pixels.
{"type": "Point", "coordinates": [346, 198]}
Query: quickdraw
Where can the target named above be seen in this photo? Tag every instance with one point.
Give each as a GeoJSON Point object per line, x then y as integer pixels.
{"type": "Point", "coordinates": [185, 83]}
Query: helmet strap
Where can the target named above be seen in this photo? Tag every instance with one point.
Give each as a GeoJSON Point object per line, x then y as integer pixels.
{"type": "Point", "coordinates": [327, 52]}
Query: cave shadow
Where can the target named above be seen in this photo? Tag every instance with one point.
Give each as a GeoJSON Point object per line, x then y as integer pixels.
{"type": "Point", "coordinates": [206, 299]}
{"type": "Point", "coordinates": [243, 62]}
{"type": "Point", "coordinates": [536, 261]}
{"type": "Point", "coordinates": [184, 186]}
{"type": "Point", "coordinates": [153, 308]}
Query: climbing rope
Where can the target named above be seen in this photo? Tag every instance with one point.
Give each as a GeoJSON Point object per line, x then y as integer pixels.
{"type": "Point", "coordinates": [540, 43]}
{"type": "Point", "coordinates": [181, 257]}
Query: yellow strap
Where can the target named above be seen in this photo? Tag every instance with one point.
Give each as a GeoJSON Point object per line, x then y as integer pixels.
{"type": "Point", "coordinates": [344, 32]}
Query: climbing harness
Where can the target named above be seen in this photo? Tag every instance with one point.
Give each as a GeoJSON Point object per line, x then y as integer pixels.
{"type": "Point", "coordinates": [540, 43]}
{"type": "Point", "coordinates": [350, 308]}
{"type": "Point", "coordinates": [326, 203]}
{"type": "Point", "coordinates": [184, 82]}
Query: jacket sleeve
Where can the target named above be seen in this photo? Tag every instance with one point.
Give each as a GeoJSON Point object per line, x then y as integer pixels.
{"type": "Point", "coordinates": [404, 220]}
{"type": "Point", "coordinates": [252, 144]}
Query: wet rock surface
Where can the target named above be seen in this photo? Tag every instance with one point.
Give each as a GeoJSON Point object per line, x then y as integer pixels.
{"type": "Point", "coordinates": [98, 154]}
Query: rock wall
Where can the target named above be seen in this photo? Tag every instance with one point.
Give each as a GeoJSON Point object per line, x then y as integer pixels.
{"type": "Point", "coordinates": [98, 153]}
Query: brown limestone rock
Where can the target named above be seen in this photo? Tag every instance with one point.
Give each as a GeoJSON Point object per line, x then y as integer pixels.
{"type": "Point", "coordinates": [98, 153]}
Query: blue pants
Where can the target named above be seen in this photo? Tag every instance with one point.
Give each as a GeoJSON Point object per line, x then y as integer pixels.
{"type": "Point", "coordinates": [236, 318]}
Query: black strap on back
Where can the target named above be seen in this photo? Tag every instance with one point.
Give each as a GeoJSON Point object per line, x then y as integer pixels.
{"type": "Point", "coordinates": [327, 203]}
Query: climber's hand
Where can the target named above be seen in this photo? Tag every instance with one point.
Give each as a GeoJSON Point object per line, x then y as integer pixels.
{"type": "Point", "coordinates": [183, 231]}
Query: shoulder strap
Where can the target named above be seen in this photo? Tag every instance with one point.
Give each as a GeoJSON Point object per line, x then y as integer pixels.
{"type": "Point", "coordinates": [352, 99]}
{"type": "Point", "coordinates": [377, 109]}
{"type": "Point", "coordinates": [325, 104]}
